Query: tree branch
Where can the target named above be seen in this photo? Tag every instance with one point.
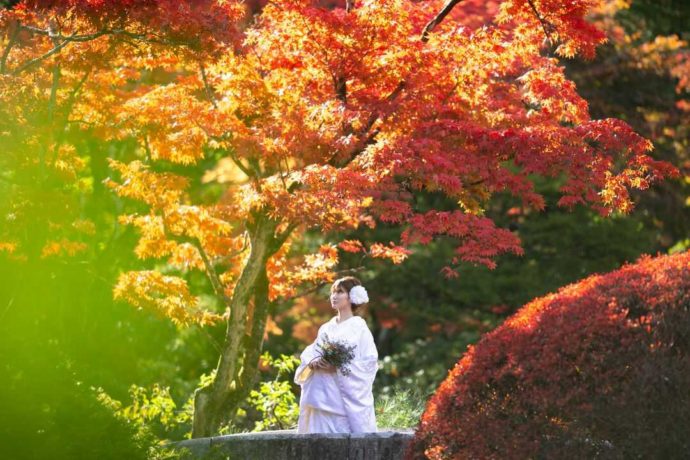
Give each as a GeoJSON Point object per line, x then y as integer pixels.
{"type": "Point", "coordinates": [365, 136]}
{"type": "Point", "coordinates": [88, 37]}
{"type": "Point", "coordinates": [210, 270]}
{"type": "Point", "coordinates": [340, 84]}
{"type": "Point", "coordinates": [240, 165]}
{"type": "Point", "coordinates": [68, 109]}
{"type": "Point", "coordinates": [227, 257]}
{"type": "Point", "coordinates": [447, 8]}
{"type": "Point", "coordinates": [207, 87]}
{"type": "Point", "coordinates": [280, 238]}
{"type": "Point", "coordinates": [320, 285]}
{"type": "Point", "coordinates": [39, 58]}
{"type": "Point", "coordinates": [53, 93]}
{"type": "Point", "coordinates": [546, 25]}
{"type": "Point", "coordinates": [211, 273]}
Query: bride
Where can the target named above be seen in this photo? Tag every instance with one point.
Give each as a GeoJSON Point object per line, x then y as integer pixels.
{"type": "Point", "coordinates": [332, 402]}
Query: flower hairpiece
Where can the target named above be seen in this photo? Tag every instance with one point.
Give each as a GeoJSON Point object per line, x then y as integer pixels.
{"type": "Point", "coordinates": [358, 295]}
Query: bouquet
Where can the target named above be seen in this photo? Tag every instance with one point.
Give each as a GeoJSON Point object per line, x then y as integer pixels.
{"type": "Point", "coordinates": [336, 352]}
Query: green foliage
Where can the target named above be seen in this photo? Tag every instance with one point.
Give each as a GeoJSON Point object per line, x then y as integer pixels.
{"type": "Point", "coordinates": [420, 365]}
{"type": "Point", "coordinates": [275, 400]}
{"type": "Point", "coordinates": [154, 416]}
{"type": "Point", "coordinates": [400, 409]}
{"type": "Point", "coordinates": [151, 410]}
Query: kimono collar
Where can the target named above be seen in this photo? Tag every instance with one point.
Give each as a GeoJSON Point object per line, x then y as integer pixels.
{"type": "Point", "coordinates": [335, 320]}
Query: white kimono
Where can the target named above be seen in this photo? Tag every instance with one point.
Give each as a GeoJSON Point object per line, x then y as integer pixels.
{"type": "Point", "coordinates": [331, 402]}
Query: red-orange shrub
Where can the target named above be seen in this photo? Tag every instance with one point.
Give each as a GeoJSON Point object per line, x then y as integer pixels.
{"type": "Point", "coordinates": [600, 369]}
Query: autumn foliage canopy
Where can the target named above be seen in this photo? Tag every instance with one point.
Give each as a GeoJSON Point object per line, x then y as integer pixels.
{"type": "Point", "coordinates": [599, 369]}
{"type": "Point", "coordinates": [328, 118]}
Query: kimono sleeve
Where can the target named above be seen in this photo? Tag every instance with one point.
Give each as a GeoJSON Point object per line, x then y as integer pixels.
{"type": "Point", "coordinates": [307, 356]}
{"type": "Point", "coordinates": [356, 387]}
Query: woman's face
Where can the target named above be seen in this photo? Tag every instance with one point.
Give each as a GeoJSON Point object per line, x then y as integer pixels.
{"type": "Point", "coordinates": [340, 299]}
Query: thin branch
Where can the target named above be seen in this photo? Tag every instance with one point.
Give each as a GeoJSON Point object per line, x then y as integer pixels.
{"type": "Point", "coordinates": [477, 182]}
{"type": "Point", "coordinates": [339, 80]}
{"type": "Point", "coordinates": [88, 37]}
{"type": "Point", "coordinates": [7, 308]}
{"type": "Point", "coordinates": [211, 339]}
{"type": "Point", "coordinates": [340, 85]}
{"type": "Point", "coordinates": [256, 166]}
{"type": "Point", "coordinates": [211, 273]}
{"type": "Point", "coordinates": [53, 93]}
{"type": "Point", "coordinates": [51, 112]}
{"type": "Point", "coordinates": [239, 164]}
{"type": "Point", "coordinates": [366, 137]}
{"type": "Point", "coordinates": [38, 59]}
{"type": "Point", "coordinates": [210, 270]}
{"type": "Point", "coordinates": [209, 91]}
{"type": "Point", "coordinates": [448, 7]}
{"type": "Point", "coordinates": [288, 171]}
{"type": "Point", "coordinates": [56, 76]}
{"type": "Point", "coordinates": [304, 293]}
{"type": "Point", "coordinates": [546, 25]}
{"type": "Point", "coordinates": [227, 257]}
{"type": "Point", "coordinates": [147, 149]}
{"type": "Point", "coordinates": [282, 174]}
{"type": "Point", "coordinates": [322, 284]}
{"type": "Point", "coordinates": [280, 238]}
{"type": "Point", "coordinates": [73, 95]}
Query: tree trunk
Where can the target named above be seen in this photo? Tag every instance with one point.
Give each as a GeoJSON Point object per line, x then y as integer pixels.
{"type": "Point", "coordinates": [215, 400]}
{"type": "Point", "coordinates": [247, 374]}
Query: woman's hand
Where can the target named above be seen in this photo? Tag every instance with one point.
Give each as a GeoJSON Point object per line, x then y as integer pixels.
{"type": "Point", "coordinates": [322, 365]}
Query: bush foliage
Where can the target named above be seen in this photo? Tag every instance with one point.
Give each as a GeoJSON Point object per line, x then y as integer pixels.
{"type": "Point", "coordinates": [599, 369]}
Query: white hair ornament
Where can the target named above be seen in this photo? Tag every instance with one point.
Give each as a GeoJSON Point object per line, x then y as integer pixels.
{"type": "Point", "coordinates": [358, 295]}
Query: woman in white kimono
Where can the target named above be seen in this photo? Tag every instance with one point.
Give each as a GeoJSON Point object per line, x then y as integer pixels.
{"type": "Point", "coordinates": [332, 402]}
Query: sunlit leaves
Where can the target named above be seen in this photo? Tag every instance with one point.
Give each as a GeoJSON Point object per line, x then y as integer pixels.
{"type": "Point", "coordinates": [396, 254]}
{"type": "Point", "coordinates": [159, 190]}
{"type": "Point", "coordinates": [169, 121]}
{"type": "Point", "coordinates": [166, 295]}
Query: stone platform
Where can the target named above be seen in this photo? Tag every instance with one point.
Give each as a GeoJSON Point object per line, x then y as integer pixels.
{"type": "Point", "coordinates": [288, 445]}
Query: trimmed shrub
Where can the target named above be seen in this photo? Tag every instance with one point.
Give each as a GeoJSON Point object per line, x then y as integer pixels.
{"type": "Point", "coordinates": [601, 369]}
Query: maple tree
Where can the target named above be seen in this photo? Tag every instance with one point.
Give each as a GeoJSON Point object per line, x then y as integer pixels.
{"type": "Point", "coordinates": [326, 116]}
